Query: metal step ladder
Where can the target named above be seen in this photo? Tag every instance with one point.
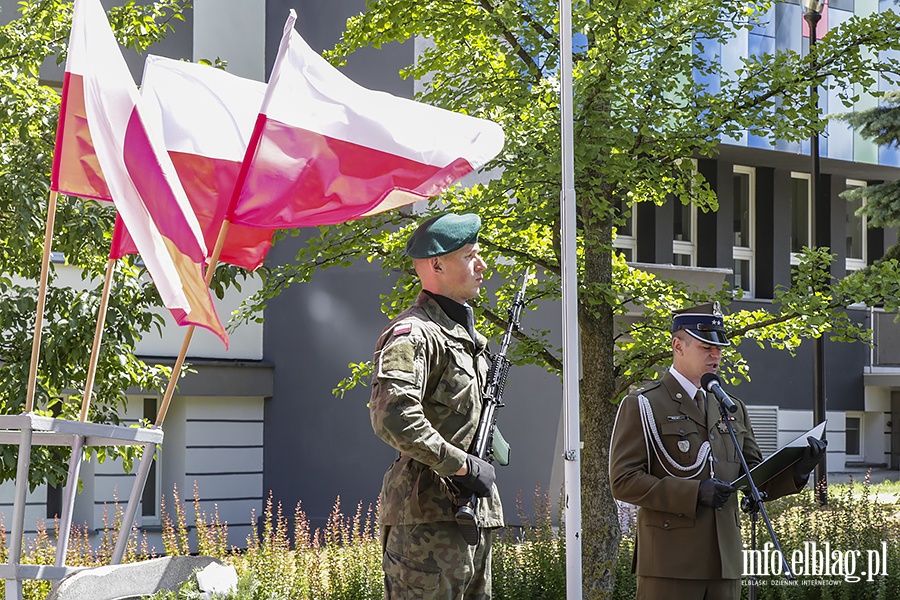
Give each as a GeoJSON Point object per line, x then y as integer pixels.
{"type": "Point", "coordinates": [27, 430]}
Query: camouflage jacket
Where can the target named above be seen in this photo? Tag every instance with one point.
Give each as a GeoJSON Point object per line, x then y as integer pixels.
{"type": "Point", "coordinates": [426, 402]}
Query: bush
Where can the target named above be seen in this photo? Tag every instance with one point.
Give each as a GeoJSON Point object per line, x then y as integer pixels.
{"type": "Point", "coordinates": [343, 561]}
{"type": "Point", "coordinates": [530, 564]}
{"type": "Point", "coordinates": [855, 522]}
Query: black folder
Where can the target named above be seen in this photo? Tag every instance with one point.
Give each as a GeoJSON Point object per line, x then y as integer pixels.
{"type": "Point", "coordinates": [777, 462]}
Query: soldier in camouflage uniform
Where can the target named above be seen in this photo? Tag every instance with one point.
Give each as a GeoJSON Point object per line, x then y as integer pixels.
{"type": "Point", "coordinates": [430, 368]}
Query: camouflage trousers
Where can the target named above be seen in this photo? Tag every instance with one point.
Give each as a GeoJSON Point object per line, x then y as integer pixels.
{"type": "Point", "coordinates": [432, 561]}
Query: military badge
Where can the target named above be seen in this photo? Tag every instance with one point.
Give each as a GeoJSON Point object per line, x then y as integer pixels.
{"type": "Point", "coordinates": [684, 445]}
{"type": "Point", "coordinates": [722, 427]}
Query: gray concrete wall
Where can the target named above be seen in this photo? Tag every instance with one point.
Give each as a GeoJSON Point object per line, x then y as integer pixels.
{"type": "Point", "coordinates": [319, 447]}
{"type": "Point", "coordinates": [321, 23]}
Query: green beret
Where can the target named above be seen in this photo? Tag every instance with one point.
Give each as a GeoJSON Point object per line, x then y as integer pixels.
{"type": "Point", "coordinates": [442, 235]}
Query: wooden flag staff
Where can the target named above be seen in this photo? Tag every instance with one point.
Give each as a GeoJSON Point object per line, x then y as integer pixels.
{"type": "Point", "coordinates": [68, 505]}
{"type": "Point", "coordinates": [98, 336]}
{"type": "Point", "coordinates": [140, 478]}
{"type": "Point", "coordinates": [41, 301]}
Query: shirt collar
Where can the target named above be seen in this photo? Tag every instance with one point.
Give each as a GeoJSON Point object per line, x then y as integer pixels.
{"type": "Point", "coordinates": [689, 387]}
{"type": "Point", "coordinates": [459, 313]}
{"type": "Point", "coordinates": [451, 308]}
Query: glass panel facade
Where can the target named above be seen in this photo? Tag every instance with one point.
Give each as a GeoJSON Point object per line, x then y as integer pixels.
{"type": "Point", "coordinates": [852, 433]}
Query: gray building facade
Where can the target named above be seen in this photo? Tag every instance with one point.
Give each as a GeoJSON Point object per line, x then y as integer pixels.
{"type": "Point", "coordinates": [316, 447]}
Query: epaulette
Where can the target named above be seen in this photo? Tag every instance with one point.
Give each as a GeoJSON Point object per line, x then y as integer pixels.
{"type": "Point", "coordinates": [646, 387]}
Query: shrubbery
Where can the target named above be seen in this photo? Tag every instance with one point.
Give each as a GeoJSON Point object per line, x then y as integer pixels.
{"type": "Point", "coordinates": [343, 561]}
{"type": "Point", "coordinates": [858, 519]}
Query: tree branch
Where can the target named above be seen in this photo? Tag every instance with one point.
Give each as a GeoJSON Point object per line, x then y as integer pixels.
{"type": "Point", "coordinates": [549, 359]}
{"type": "Point", "coordinates": [511, 40]}
{"type": "Point", "coordinates": [523, 255]}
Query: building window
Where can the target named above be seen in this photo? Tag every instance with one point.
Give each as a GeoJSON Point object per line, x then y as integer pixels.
{"type": "Point", "coordinates": [684, 248]}
{"type": "Point", "coordinates": [150, 498]}
{"type": "Point", "coordinates": [852, 429]}
{"type": "Point", "coordinates": [626, 232]}
{"type": "Point", "coordinates": [855, 230]}
{"type": "Point", "coordinates": [801, 214]}
{"type": "Point", "coordinates": [744, 216]}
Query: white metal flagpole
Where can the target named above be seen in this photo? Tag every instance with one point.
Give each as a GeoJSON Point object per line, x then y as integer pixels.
{"type": "Point", "coordinates": [571, 375]}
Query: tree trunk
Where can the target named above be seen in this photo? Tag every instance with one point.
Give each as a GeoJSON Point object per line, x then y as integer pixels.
{"type": "Point", "coordinates": [600, 519]}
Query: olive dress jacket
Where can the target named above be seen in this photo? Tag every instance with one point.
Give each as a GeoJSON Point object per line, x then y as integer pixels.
{"type": "Point", "coordinates": [677, 538]}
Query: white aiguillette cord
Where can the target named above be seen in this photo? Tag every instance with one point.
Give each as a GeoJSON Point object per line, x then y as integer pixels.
{"type": "Point", "coordinates": [649, 425]}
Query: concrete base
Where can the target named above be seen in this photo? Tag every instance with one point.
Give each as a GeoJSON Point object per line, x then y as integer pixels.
{"type": "Point", "coordinates": [129, 581]}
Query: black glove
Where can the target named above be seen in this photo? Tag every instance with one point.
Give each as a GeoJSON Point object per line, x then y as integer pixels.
{"type": "Point", "coordinates": [714, 493]}
{"type": "Point", "coordinates": [812, 454]}
{"type": "Point", "coordinates": [479, 479]}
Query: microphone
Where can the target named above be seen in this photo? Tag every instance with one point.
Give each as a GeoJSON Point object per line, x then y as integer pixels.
{"type": "Point", "coordinates": [711, 383]}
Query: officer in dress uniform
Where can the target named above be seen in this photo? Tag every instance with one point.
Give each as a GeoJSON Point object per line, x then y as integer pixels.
{"type": "Point", "coordinates": [430, 369]}
{"type": "Point", "coordinates": [672, 456]}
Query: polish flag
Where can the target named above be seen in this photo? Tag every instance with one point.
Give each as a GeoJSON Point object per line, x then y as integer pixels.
{"type": "Point", "coordinates": [106, 150]}
{"type": "Point", "coordinates": [326, 150]}
{"type": "Point", "coordinates": [206, 116]}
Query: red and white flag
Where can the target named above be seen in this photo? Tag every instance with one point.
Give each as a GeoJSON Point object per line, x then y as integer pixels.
{"type": "Point", "coordinates": [326, 150]}
{"type": "Point", "coordinates": [206, 116]}
{"type": "Point", "coordinates": [105, 149]}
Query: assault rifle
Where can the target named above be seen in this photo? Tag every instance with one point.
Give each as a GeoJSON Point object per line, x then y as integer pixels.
{"type": "Point", "coordinates": [492, 399]}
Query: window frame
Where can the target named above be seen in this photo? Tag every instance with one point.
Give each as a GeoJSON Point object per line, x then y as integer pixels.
{"type": "Point", "coordinates": [795, 258]}
{"type": "Point", "coordinates": [682, 248]}
{"type": "Point", "coordinates": [859, 456]}
{"type": "Point", "coordinates": [855, 264]}
{"type": "Point", "coordinates": [628, 242]}
{"type": "Point", "coordinates": [748, 253]}
{"type": "Point", "coordinates": [153, 485]}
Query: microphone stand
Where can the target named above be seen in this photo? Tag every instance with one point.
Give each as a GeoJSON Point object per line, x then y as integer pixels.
{"type": "Point", "coordinates": [757, 499]}
{"type": "Point", "coordinates": [748, 507]}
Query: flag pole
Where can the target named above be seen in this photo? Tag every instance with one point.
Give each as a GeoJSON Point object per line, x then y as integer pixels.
{"type": "Point", "coordinates": [569, 262]}
{"type": "Point", "coordinates": [176, 370]}
{"type": "Point", "coordinates": [68, 505]}
{"type": "Point", "coordinates": [140, 478]}
{"type": "Point", "coordinates": [98, 336]}
{"type": "Point", "coordinates": [41, 301]}
{"type": "Point", "coordinates": [149, 449]}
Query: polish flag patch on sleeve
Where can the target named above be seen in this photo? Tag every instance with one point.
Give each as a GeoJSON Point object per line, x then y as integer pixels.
{"type": "Point", "coordinates": [402, 329]}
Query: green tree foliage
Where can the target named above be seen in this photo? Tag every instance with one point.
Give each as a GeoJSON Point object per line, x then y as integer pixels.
{"type": "Point", "coordinates": [38, 35]}
{"type": "Point", "coordinates": [880, 202]}
{"type": "Point", "coordinates": [640, 115]}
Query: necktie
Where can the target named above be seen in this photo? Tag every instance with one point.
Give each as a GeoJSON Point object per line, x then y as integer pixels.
{"type": "Point", "coordinates": [700, 398]}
